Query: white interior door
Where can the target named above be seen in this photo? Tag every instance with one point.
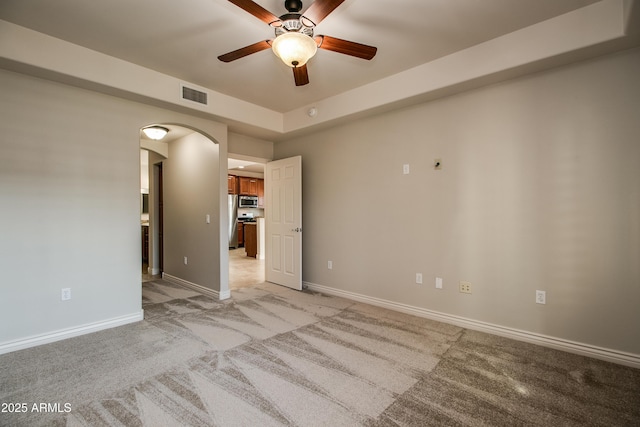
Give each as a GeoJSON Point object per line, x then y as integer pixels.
{"type": "Point", "coordinates": [283, 222]}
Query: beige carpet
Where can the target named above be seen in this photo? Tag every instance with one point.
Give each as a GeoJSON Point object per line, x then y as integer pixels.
{"type": "Point", "coordinates": [276, 357]}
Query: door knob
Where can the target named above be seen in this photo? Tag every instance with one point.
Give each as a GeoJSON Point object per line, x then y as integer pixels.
{"type": "Point", "coordinates": [297, 229]}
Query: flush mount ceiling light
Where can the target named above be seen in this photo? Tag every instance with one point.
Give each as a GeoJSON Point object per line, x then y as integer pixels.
{"type": "Point", "coordinates": [295, 49]}
{"type": "Point", "coordinates": [155, 132]}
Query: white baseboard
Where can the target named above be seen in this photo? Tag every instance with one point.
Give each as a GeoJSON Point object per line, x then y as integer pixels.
{"type": "Point", "coordinates": [198, 288]}
{"type": "Point", "coordinates": [619, 357]}
{"type": "Point", "coordinates": [63, 334]}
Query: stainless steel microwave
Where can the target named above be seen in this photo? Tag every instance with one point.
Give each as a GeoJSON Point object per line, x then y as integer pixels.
{"type": "Point", "coordinates": [248, 202]}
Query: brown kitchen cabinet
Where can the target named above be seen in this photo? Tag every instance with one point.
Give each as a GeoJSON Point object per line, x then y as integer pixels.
{"type": "Point", "coordinates": [261, 193]}
{"type": "Point", "coordinates": [233, 184]}
{"type": "Point", "coordinates": [240, 233]}
{"type": "Point", "coordinates": [251, 239]}
{"type": "Point", "coordinates": [145, 243]}
{"type": "Point", "coordinates": [248, 186]}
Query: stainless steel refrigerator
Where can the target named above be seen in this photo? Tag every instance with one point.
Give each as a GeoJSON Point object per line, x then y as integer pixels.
{"type": "Point", "coordinates": [233, 220]}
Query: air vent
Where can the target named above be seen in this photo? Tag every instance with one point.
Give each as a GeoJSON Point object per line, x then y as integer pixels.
{"type": "Point", "coordinates": [194, 95]}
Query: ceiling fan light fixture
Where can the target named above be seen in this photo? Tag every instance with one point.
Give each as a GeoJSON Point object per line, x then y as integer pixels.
{"type": "Point", "coordinates": [155, 132]}
{"type": "Point", "coordinates": [295, 49]}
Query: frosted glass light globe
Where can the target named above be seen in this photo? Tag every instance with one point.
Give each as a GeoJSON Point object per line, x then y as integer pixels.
{"type": "Point", "coordinates": [295, 49]}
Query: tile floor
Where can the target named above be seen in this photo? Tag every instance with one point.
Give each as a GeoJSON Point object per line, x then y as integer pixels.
{"type": "Point", "coordinates": [243, 270]}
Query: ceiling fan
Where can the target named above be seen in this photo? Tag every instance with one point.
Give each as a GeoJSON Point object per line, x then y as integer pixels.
{"type": "Point", "coordinates": [294, 40]}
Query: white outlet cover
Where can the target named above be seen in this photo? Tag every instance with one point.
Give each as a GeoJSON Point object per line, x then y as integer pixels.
{"type": "Point", "coordinates": [465, 287]}
{"type": "Point", "coordinates": [419, 278]}
{"type": "Point", "coordinates": [405, 169]}
{"type": "Point", "coordinates": [438, 282]}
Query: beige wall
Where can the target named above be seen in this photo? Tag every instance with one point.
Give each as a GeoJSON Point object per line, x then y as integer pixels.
{"type": "Point", "coordinates": [70, 207]}
{"type": "Point", "coordinates": [243, 146]}
{"type": "Point", "coordinates": [540, 189]}
{"type": "Point", "coordinates": [191, 180]}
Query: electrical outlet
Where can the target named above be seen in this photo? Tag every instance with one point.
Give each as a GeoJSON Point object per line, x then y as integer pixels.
{"type": "Point", "coordinates": [185, 261]}
{"type": "Point", "coordinates": [405, 169]}
{"type": "Point", "coordinates": [438, 282]}
{"type": "Point", "coordinates": [465, 287]}
{"type": "Point", "coordinates": [330, 265]}
{"type": "Point", "coordinates": [66, 294]}
{"type": "Point", "coordinates": [541, 297]}
{"type": "Point", "coordinates": [419, 278]}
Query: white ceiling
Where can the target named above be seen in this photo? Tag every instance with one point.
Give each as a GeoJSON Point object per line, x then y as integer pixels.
{"type": "Point", "coordinates": [238, 167]}
{"type": "Point", "coordinates": [183, 38]}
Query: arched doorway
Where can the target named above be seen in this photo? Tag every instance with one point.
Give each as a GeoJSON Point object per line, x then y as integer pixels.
{"type": "Point", "coordinates": [184, 217]}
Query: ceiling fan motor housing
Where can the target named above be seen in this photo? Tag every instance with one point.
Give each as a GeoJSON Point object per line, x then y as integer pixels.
{"type": "Point", "coordinates": [293, 6]}
{"type": "Point", "coordinates": [291, 23]}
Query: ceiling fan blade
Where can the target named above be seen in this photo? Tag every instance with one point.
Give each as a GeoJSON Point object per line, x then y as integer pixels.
{"type": "Point", "coordinates": [258, 11]}
{"type": "Point", "coordinates": [244, 51]}
{"type": "Point", "coordinates": [301, 75]}
{"type": "Point", "coordinates": [346, 47]}
{"type": "Point", "coordinates": [320, 9]}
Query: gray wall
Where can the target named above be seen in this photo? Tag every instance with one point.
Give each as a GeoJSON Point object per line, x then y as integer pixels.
{"type": "Point", "coordinates": [540, 189]}
{"type": "Point", "coordinates": [191, 182]}
{"type": "Point", "coordinates": [70, 204]}
{"type": "Point", "coordinates": [241, 146]}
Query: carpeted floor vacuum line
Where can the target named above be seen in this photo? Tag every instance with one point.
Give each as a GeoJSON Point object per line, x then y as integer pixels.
{"type": "Point", "coordinates": [273, 356]}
